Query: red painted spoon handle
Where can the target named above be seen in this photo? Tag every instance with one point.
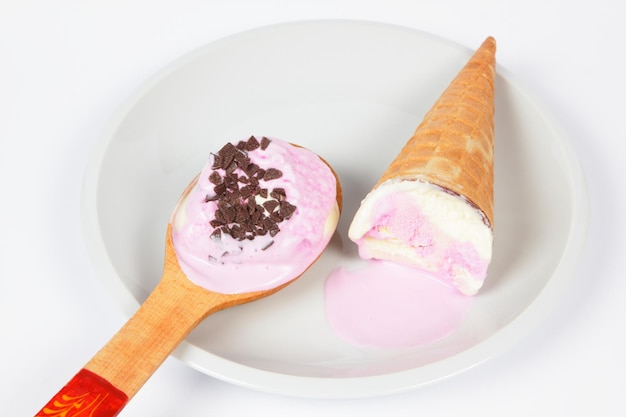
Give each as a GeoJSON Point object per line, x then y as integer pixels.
{"type": "Point", "coordinates": [86, 394]}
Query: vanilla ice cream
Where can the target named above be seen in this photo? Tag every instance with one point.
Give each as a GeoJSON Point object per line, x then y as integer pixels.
{"type": "Point", "coordinates": [424, 225]}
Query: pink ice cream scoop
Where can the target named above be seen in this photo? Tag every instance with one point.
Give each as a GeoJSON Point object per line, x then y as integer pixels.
{"type": "Point", "coordinates": [261, 212]}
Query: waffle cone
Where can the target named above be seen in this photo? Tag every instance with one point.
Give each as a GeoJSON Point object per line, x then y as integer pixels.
{"type": "Point", "coordinates": [453, 145]}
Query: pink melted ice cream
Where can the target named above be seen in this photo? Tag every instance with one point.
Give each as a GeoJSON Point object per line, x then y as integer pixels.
{"type": "Point", "coordinates": [422, 225]}
{"type": "Point", "coordinates": [293, 186]}
{"type": "Point", "coordinates": [389, 305]}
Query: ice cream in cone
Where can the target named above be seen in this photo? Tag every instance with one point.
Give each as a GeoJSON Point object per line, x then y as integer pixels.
{"type": "Point", "coordinates": [433, 206]}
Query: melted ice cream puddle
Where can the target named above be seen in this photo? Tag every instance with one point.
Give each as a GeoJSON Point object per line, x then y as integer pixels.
{"type": "Point", "coordinates": [387, 305]}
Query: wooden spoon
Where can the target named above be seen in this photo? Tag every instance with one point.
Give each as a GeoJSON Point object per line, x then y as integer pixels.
{"type": "Point", "coordinates": [174, 308]}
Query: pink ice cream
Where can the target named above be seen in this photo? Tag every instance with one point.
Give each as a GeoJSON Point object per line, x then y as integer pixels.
{"type": "Point", "coordinates": [261, 212]}
{"type": "Point", "coordinates": [388, 305]}
{"type": "Point", "coordinates": [420, 224]}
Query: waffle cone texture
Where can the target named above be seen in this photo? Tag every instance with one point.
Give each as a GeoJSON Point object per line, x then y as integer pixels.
{"type": "Point", "coordinates": [453, 146]}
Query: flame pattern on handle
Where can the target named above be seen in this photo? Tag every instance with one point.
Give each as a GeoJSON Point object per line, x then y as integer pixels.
{"type": "Point", "coordinates": [86, 395]}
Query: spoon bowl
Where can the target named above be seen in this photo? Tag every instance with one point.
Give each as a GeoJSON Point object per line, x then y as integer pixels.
{"type": "Point", "coordinates": [173, 309]}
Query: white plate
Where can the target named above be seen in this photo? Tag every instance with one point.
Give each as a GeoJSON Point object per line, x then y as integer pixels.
{"type": "Point", "coordinates": [353, 92]}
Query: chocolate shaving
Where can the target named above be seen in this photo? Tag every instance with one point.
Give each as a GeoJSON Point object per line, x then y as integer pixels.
{"type": "Point", "coordinates": [227, 155]}
{"type": "Point", "coordinates": [251, 169]}
{"type": "Point", "coordinates": [238, 214]}
{"type": "Point", "coordinates": [270, 205]}
{"type": "Point", "coordinates": [215, 178]}
{"type": "Point", "coordinates": [265, 142]}
{"type": "Point", "coordinates": [278, 194]}
{"type": "Point", "coordinates": [251, 144]}
{"type": "Point", "coordinates": [274, 229]}
{"type": "Point", "coordinates": [272, 174]}
{"type": "Point", "coordinates": [287, 209]}
{"type": "Point", "coordinates": [220, 190]}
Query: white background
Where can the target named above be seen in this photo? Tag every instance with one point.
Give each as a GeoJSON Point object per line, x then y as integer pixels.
{"type": "Point", "coordinates": [65, 67]}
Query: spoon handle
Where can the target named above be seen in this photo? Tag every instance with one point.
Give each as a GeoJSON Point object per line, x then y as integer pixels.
{"type": "Point", "coordinates": [115, 374]}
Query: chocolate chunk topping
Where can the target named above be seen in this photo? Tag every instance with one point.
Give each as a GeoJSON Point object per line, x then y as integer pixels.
{"type": "Point", "coordinates": [251, 169]}
{"type": "Point", "coordinates": [287, 209]}
{"type": "Point", "coordinates": [226, 156]}
{"type": "Point", "coordinates": [278, 193]}
{"type": "Point", "coordinates": [251, 144]}
{"type": "Point", "coordinates": [265, 142]}
{"type": "Point", "coordinates": [272, 174]}
{"type": "Point", "coordinates": [215, 178]}
{"type": "Point", "coordinates": [238, 214]}
{"type": "Point", "coordinates": [270, 205]}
